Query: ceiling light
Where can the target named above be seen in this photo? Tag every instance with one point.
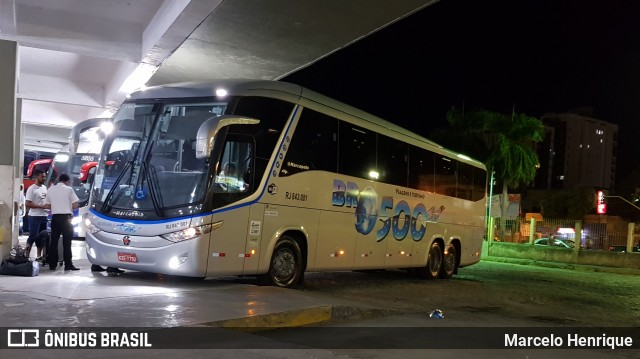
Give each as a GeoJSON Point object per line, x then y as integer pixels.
{"type": "Point", "coordinates": [138, 78]}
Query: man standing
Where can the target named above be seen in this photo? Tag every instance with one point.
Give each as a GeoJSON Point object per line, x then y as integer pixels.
{"type": "Point", "coordinates": [35, 202]}
{"type": "Point", "coordinates": [62, 200]}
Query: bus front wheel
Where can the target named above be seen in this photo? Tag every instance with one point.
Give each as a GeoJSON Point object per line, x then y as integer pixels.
{"type": "Point", "coordinates": [449, 262]}
{"type": "Point", "coordinates": [434, 263]}
{"type": "Point", "coordinates": [285, 269]}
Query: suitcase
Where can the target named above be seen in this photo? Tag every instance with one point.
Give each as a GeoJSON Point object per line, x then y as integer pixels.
{"type": "Point", "coordinates": [23, 269]}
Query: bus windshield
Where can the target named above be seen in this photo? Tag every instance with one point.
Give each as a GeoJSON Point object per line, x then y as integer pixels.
{"type": "Point", "coordinates": [150, 162]}
{"type": "Point", "coordinates": [74, 166]}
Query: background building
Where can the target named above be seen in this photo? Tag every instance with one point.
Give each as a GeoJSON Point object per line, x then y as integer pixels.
{"type": "Point", "coordinates": [579, 151]}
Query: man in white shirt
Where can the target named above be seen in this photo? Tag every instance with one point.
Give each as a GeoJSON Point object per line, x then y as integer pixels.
{"type": "Point", "coordinates": [35, 202]}
{"type": "Point", "coordinates": [62, 200]}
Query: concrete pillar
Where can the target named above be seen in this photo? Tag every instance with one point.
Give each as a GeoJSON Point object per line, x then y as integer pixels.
{"type": "Point", "coordinates": [8, 172]}
{"type": "Point", "coordinates": [630, 232]}
{"type": "Point", "coordinates": [578, 237]}
{"type": "Point", "coordinates": [532, 230]}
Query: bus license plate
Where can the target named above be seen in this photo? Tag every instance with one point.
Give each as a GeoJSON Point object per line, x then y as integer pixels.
{"type": "Point", "coordinates": [127, 257]}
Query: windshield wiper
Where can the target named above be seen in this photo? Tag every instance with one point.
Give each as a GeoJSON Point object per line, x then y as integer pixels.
{"type": "Point", "coordinates": [105, 204]}
{"type": "Point", "coordinates": [156, 197]}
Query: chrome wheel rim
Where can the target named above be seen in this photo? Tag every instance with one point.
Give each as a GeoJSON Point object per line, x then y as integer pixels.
{"type": "Point", "coordinates": [284, 264]}
{"type": "Point", "coordinates": [435, 260]}
{"type": "Point", "coordinates": [450, 260]}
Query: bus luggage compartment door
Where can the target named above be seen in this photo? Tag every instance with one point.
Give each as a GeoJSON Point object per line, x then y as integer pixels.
{"type": "Point", "coordinates": [227, 243]}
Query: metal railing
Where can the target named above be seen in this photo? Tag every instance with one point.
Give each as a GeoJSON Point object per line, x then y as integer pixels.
{"type": "Point", "coordinates": [595, 235]}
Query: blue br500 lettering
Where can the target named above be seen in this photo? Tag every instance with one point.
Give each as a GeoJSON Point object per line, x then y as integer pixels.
{"type": "Point", "coordinates": [366, 212]}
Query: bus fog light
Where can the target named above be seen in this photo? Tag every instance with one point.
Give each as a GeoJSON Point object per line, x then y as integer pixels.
{"type": "Point", "coordinates": [177, 261]}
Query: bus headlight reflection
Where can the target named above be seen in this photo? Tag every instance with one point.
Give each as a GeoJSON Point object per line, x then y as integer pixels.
{"type": "Point", "coordinates": [188, 233]}
{"type": "Point", "coordinates": [177, 261]}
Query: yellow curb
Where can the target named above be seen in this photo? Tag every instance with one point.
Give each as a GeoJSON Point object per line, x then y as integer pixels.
{"type": "Point", "coordinates": [296, 318]}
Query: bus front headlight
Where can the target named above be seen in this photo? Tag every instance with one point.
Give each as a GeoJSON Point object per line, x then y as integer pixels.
{"type": "Point", "coordinates": [90, 227]}
{"type": "Point", "coordinates": [187, 233]}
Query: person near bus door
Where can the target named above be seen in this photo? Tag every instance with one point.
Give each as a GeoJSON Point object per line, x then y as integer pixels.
{"type": "Point", "coordinates": [62, 200]}
{"type": "Point", "coordinates": [35, 203]}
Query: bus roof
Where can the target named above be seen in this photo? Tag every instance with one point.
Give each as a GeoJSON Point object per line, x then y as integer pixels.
{"type": "Point", "coordinates": [196, 89]}
{"type": "Point", "coordinates": [239, 87]}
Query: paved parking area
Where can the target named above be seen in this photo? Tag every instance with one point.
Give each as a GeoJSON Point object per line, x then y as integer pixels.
{"type": "Point", "coordinates": [134, 299]}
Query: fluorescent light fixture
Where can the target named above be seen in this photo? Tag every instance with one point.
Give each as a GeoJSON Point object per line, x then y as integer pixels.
{"type": "Point", "coordinates": [221, 92]}
{"type": "Point", "coordinates": [61, 157]}
{"type": "Point", "coordinates": [374, 174]}
{"type": "Point", "coordinates": [138, 78]}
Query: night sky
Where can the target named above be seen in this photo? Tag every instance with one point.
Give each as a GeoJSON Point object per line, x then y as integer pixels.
{"type": "Point", "coordinates": [537, 55]}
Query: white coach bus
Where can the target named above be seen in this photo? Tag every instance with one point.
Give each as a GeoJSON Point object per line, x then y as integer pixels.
{"type": "Point", "coordinates": [267, 178]}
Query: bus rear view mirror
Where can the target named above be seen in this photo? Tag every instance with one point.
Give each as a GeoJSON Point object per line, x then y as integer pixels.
{"type": "Point", "coordinates": [209, 129]}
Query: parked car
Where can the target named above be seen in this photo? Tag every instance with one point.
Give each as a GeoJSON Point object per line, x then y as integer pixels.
{"type": "Point", "coordinates": [557, 242]}
{"type": "Point", "coordinates": [623, 248]}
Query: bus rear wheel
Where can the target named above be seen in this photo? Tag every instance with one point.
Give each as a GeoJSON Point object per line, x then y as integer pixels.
{"type": "Point", "coordinates": [434, 263]}
{"type": "Point", "coordinates": [449, 262]}
{"type": "Point", "coordinates": [285, 269]}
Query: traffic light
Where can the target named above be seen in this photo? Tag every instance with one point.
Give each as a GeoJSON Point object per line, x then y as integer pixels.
{"type": "Point", "coordinates": [601, 207]}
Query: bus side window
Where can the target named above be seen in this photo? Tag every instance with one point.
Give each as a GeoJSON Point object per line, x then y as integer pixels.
{"type": "Point", "coordinates": [465, 181]}
{"type": "Point", "coordinates": [392, 161]}
{"type": "Point", "coordinates": [445, 176]}
{"type": "Point", "coordinates": [479, 184]}
{"type": "Point", "coordinates": [357, 151]}
{"type": "Point", "coordinates": [90, 176]}
{"type": "Point", "coordinates": [314, 145]}
{"type": "Point", "coordinates": [233, 172]}
{"type": "Point", "coordinates": [421, 169]}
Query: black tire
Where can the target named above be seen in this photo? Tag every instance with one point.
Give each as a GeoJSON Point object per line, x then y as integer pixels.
{"type": "Point", "coordinates": [434, 263]}
{"type": "Point", "coordinates": [285, 269]}
{"type": "Point", "coordinates": [449, 262]}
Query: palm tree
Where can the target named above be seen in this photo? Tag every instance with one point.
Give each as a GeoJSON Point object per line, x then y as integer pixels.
{"type": "Point", "coordinates": [503, 142]}
{"type": "Point", "coordinates": [512, 155]}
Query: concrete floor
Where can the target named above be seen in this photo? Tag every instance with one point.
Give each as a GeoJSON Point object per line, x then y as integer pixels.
{"type": "Point", "coordinates": [59, 299]}
{"type": "Point", "coordinates": [134, 299]}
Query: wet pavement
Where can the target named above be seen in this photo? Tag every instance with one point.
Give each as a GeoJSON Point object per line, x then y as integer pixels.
{"type": "Point", "coordinates": [83, 298]}
{"type": "Point", "coordinates": [59, 298]}
{"type": "Point", "coordinates": [63, 299]}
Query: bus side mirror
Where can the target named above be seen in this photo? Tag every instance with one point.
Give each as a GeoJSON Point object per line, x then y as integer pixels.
{"type": "Point", "coordinates": [210, 128]}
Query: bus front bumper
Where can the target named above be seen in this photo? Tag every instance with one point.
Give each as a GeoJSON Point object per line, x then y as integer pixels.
{"type": "Point", "coordinates": [187, 258]}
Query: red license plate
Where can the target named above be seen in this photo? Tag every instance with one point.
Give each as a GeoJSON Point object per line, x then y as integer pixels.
{"type": "Point", "coordinates": [127, 257]}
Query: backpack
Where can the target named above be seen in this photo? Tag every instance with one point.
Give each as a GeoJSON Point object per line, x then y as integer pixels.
{"type": "Point", "coordinates": [18, 254]}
